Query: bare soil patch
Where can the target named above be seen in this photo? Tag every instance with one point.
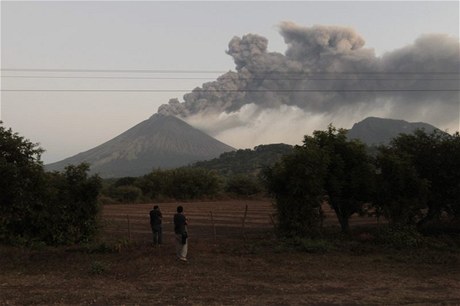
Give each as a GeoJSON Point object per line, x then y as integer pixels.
{"type": "Point", "coordinates": [234, 267]}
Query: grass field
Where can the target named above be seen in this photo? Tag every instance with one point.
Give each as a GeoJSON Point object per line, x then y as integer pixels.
{"type": "Point", "coordinates": [228, 265]}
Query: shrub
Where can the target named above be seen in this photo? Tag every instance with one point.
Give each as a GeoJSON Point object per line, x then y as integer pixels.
{"type": "Point", "coordinates": [98, 267]}
{"type": "Point", "coordinates": [72, 208]}
{"type": "Point", "coordinates": [35, 206]}
{"type": "Point", "coordinates": [181, 183]}
{"type": "Point", "coordinates": [296, 183]}
{"type": "Point", "coordinates": [401, 237]}
{"type": "Point", "coordinates": [311, 245]}
{"type": "Point", "coordinates": [126, 193]}
{"type": "Point", "coordinates": [243, 185]}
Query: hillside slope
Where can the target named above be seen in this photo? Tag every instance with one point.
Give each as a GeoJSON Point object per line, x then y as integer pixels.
{"type": "Point", "coordinates": [375, 131]}
{"type": "Point", "coordinates": [247, 161]}
{"type": "Point", "coordinates": [158, 142]}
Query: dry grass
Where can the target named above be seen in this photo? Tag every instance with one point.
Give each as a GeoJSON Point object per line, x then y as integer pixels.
{"type": "Point", "coordinates": [257, 270]}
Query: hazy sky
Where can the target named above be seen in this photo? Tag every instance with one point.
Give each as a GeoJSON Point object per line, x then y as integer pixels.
{"type": "Point", "coordinates": [158, 36]}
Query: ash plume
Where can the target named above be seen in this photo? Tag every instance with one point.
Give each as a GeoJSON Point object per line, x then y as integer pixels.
{"type": "Point", "coordinates": [326, 75]}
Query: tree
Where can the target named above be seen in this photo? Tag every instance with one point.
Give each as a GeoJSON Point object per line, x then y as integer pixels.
{"type": "Point", "coordinates": [436, 158]}
{"type": "Point", "coordinates": [241, 184]}
{"type": "Point", "coordinates": [191, 183]}
{"type": "Point", "coordinates": [400, 193]}
{"type": "Point", "coordinates": [327, 166]}
{"type": "Point", "coordinates": [451, 154]}
{"type": "Point", "coordinates": [296, 183]}
{"type": "Point", "coordinates": [349, 181]}
{"type": "Point", "coordinates": [152, 184]}
{"type": "Point", "coordinates": [52, 207]}
{"type": "Point", "coordinates": [181, 183]}
{"type": "Point", "coordinates": [21, 184]}
{"type": "Point", "coordinates": [72, 206]}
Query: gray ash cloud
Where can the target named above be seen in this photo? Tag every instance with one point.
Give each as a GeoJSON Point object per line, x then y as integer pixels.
{"type": "Point", "coordinates": [320, 66]}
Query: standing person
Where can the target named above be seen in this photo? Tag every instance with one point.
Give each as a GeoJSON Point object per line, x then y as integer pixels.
{"type": "Point", "coordinates": [155, 224]}
{"type": "Point", "coordinates": [180, 230]}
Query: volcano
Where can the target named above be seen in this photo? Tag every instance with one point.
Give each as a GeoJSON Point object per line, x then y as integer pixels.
{"type": "Point", "coordinates": [377, 131]}
{"type": "Point", "coordinates": [162, 141]}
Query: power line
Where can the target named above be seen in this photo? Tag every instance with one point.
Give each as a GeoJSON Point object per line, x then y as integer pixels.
{"type": "Point", "coordinates": [169, 71]}
{"type": "Point", "coordinates": [227, 78]}
{"type": "Point", "coordinates": [113, 70]}
{"type": "Point", "coordinates": [232, 90]}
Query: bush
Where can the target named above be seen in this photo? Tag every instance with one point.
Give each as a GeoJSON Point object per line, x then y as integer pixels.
{"type": "Point", "coordinates": [401, 237]}
{"type": "Point", "coordinates": [311, 245]}
{"type": "Point", "coordinates": [243, 185]}
{"type": "Point", "coordinates": [35, 206]}
{"type": "Point", "coordinates": [126, 194]}
{"type": "Point", "coordinates": [181, 184]}
{"type": "Point", "coordinates": [296, 183]}
{"type": "Point", "coordinates": [98, 267]}
{"type": "Point", "coordinates": [72, 208]}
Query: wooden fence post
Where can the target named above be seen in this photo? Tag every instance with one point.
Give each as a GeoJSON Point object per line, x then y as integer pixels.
{"type": "Point", "coordinates": [213, 226]}
{"type": "Point", "coordinates": [244, 220]}
{"type": "Point", "coordinates": [129, 228]}
{"type": "Point", "coordinates": [272, 220]}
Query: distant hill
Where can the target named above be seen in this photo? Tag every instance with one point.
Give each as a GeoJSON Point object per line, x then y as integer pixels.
{"type": "Point", "coordinates": [246, 161]}
{"type": "Point", "coordinates": [158, 142]}
{"type": "Point", "coordinates": [376, 131]}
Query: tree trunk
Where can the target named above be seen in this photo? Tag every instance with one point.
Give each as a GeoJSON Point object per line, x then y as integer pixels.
{"type": "Point", "coordinates": [344, 223]}
{"type": "Point", "coordinates": [342, 217]}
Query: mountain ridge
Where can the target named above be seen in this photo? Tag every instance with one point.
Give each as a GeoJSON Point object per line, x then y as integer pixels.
{"type": "Point", "coordinates": [165, 141]}
{"type": "Point", "coordinates": [161, 141]}
{"type": "Point", "coordinates": [375, 131]}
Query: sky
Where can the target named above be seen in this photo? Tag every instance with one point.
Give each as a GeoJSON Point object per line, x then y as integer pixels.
{"type": "Point", "coordinates": [156, 51]}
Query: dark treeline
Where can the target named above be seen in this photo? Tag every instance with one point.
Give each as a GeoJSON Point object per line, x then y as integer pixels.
{"type": "Point", "coordinates": [412, 182]}
{"type": "Point", "coordinates": [233, 174]}
{"type": "Point", "coordinates": [44, 207]}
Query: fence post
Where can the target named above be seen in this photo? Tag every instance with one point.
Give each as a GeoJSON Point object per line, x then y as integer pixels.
{"type": "Point", "coordinates": [129, 228]}
{"type": "Point", "coordinates": [213, 226]}
{"type": "Point", "coordinates": [244, 221]}
{"type": "Point", "coordinates": [272, 220]}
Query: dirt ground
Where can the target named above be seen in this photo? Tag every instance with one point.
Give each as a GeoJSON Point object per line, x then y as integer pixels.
{"type": "Point", "coordinates": [228, 265]}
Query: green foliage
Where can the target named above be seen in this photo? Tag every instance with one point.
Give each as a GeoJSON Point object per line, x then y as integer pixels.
{"type": "Point", "coordinates": [296, 182]}
{"type": "Point", "coordinates": [98, 248]}
{"type": "Point", "coordinates": [400, 237]}
{"type": "Point", "coordinates": [125, 193]}
{"type": "Point", "coordinates": [326, 166]}
{"type": "Point", "coordinates": [35, 206]}
{"type": "Point", "coordinates": [414, 180]}
{"type": "Point", "coordinates": [152, 184]}
{"type": "Point", "coordinates": [125, 181]}
{"type": "Point", "coordinates": [349, 178]}
{"type": "Point", "coordinates": [243, 185]}
{"type": "Point", "coordinates": [401, 193]}
{"type": "Point", "coordinates": [188, 183]}
{"type": "Point", "coordinates": [71, 213]}
{"type": "Point", "coordinates": [98, 267]}
{"type": "Point", "coordinates": [21, 184]}
{"type": "Point", "coordinates": [436, 158]}
{"type": "Point", "coordinates": [246, 161]}
{"type": "Point", "coordinates": [309, 245]}
{"type": "Point", "coordinates": [181, 183]}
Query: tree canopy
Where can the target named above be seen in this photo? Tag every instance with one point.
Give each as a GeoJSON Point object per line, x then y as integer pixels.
{"type": "Point", "coordinates": [55, 208]}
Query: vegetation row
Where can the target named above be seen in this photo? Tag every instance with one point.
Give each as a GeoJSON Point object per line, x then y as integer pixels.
{"type": "Point", "coordinates": [412, 182]}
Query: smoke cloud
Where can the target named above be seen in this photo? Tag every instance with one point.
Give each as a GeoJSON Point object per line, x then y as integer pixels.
{"type": "Point", "coordinates": [325, 76]}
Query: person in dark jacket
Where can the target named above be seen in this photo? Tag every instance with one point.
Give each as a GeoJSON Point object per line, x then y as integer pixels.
{"type": "Point", "coordinates": [155, 224]}
{"type": "Point", "coordinates": [180, 230]}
